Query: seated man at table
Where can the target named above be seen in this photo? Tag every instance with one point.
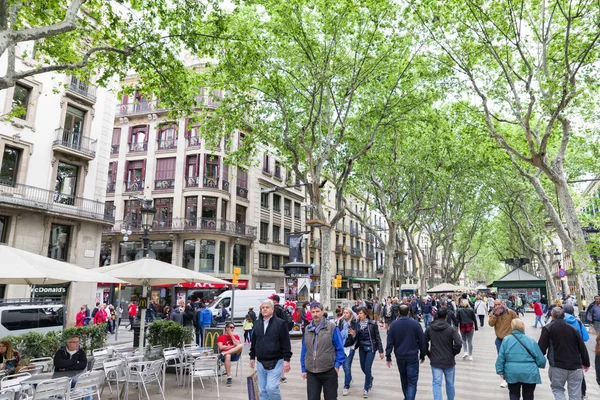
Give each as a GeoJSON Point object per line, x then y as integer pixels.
{"type": "Point", "coordinates": [230, 348]}
{"type": "Point", "coordinates": [70, 357]}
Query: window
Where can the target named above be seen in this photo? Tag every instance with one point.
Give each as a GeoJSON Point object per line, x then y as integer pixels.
{"type": "Point", "coordinates": [264, 200]}
{"type": "Point", "coordinates": [264, 231]}
{"type": "Point", "coordinates": [263, 260]}
{"type": "Point", "coordinates": [132, 213]}
{"type": "Point", "coordinates": [277, 170]}
{"type": "Point", "coordinates": [209, 207]}
{"type": "Point", "coordinates": [73, 127]}
{"type": "Point", "coordinates": [163, 250]}
{"type": "Point", "coordinates": [221, 256]}
{"type": "Point", "coordinates": [191, 211]}
{"type": "Point", "coordinates": [242, 183]}
{"type": "Point", "coordinates": [286, 236]}
{"type": "Point", "coordinates": [11, 158]}
{"type": "Point", "coordinates": [239, 256]}
{"type": "Point", "coordinates": [191, 170]}
{"type": "Point", "coordinates": [287, 207]}
{"type": "Point", "coordinates": [135, 172]}
{"type": "Point", "coordinates": [164, 212]}
{"type": "Point", "coordinates": [4, 225]}
{"type": "Point", "coordinates": [138, 139]}
{"type": "Point", "coordinates": [65, 188]}
{"type": "Point", "coordinates": [20, 102]}
{"type": "Point", "coordinates": [240, 215]}
{"type": "Point", "coordinates": [167, 137]}
{"type": "Point", "coordinates": [277, 203]}
{"type": "Point", "coordinates": [207, 255]}
{"type": "Point", "coordinates": [60, 236]}
{"type": "Point", "coordinates": [266, 163]}
{"type": "Point", "coordinates": [276, 262]}
{"type": "Point", "coordinates": [288, 178]}
{"type": "Point", "coordinates": [192, 134]}
{"type": "Point", "coordinates": [296, 210]}
{"type": "Point", "coordinates": [105, 253]}
{"type": "Point", "coordinates": [276, 234]}
{"type": "Point", "coordinates": [32, 318]}
{"type": "Point", "coordinates": [189, 254]}
{"type": "Point", "coordinates": [112, 177]}
{"type": "Point", "coordinates": [109, 210]}
{"type": "Point", "coordinates": [223, 209]}
{"type": "Point", "coordinates": [165, 173]}
{"type": "Point", "coordinates": [211, 171]}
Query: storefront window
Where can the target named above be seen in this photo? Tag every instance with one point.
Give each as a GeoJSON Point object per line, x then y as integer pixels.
{"type": "Point", "coordinates": [128, 250]}
{"type": "Point", "coordinates": [239, 257]}
{"type": "Point", "coordinates": [189, 254]}
{"type": "Point", "coordinates": [207, 255]}
{"type": "Point", "coordinates": [163, 249]}
{"type": "Point", "coordinates": [221, 256]}
{"type": "Point", "coordinates": [60, 236]}
{"type": "Point", "coordinates": [105, 250]}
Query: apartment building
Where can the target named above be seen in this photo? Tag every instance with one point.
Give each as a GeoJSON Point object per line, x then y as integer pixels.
{"type": "Point", "coordinates": [53, 163]}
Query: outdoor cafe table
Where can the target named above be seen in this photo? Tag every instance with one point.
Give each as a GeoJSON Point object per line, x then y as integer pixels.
{"type": "Point", "coordinates": [38, 378]}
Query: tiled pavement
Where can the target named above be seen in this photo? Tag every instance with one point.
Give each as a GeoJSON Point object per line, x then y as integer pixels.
{"type": "Point", "coordinates": [474, 379]}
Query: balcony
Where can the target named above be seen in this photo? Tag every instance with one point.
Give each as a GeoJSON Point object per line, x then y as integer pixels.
{"type": "Point", "coordinates": [192, 225]}
{"type": "Point", "coordinates": [191, 181]}
{"type": "Point", "coordinates": [287, 212]}
{"type": "Point", "coordinates": [138, 147]}
{"type": "Point", "coordinates": [114, 149]}
{"type": "Point", "coordinates": [225, 185]}
{"type": "Point", "coordinates": [354, 231]}
{"type": "Point", "coordinates": [341, 248]}
{"type": "Point", "coordinates": [48, 200]}
{"type": "Point", "coordinates": [167, 144]}
{"type": "Point", "coordinates": [370, 255]}
{"type": "Point", "coordinates": [210, 182]}
{"type": "Point", "coordinates": [81, 90]}
{"type": "Point", "coordinates": [194, 141]}
{"type": "Point", "coordinates": [138, 107]}
{"type": "Point", "coordinates": [369, 237]}
{"type": "Point", "coordinates": [164, 184]}
{"type": "Point", "coordinates": [134, 186]}
{"type": "Point", "coordinates": [242, 192]}
{"type": "Point", "coordinates": [73, 143]}
{"type": "Point", "coordinates": [110, 187]}
{"type": "Point", "coordinates": [315, 243]}
{"type": "Point", "coordinates": [356, 252]}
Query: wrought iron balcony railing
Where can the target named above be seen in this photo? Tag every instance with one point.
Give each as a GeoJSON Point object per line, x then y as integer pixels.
{"type": "Point", "coordinates": [199, 224]}
{"type": "Point", "coordinates": [81, 88]}
{"type": "Point", "coordinates": [164, 184]}
{"type": "Point", "coordinates": [75, 142]}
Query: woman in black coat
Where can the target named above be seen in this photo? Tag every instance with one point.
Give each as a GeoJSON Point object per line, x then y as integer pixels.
{"type": "Point", "coordinates": [467, 323]}
{"type": "Point", "coordinates": [368, 342]}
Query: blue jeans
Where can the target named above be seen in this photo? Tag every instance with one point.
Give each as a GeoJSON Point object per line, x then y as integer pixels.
{"type": "Point", "coordinates": [538, 318]}
{"type": "Point", "coordinates": [347, 365]}
{"type": "Point", "coordinates": [268, 381]}
{"type": "Point", "coordinates": [427, 320]}
{"type": "Point", "coordinates": [498, 344]}
{"type": "Point", "coordinates": [437, 382]}
{"type": "Point", "coordinates": [366, 362]}
{"type": "Point", "coordinates": [409, 375]}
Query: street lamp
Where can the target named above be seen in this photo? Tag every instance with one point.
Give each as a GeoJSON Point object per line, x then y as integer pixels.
{"type": "Point", "coordinates": [557, 258]}
{"type": "Point", "coordinates": [148, 212]}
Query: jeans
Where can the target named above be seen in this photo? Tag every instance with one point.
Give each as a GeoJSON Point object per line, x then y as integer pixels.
{"type": "Point", "coordinates": [558, 378]}
{"type": "Point", "coordinates": [409, 375]}
{"type": "Point", "coordinates": [268, 381]}
{"type": "Point", "coordinates": [481, 317]}
{"type": "Point", "coordinates": [467, 338]}
{"type": "Point", "coordinates": [427, 319]}
{"type": "Point", "coordinates": [538, 318]}
{"type": "Point", "coordinates": [596, 326]}
{"type": "Point", "coordinates": [199, 336]}
{"type": "Point", "coordinates": [437, 373]}
{"type": "Point", "coordinates": [326, 382]}
{"type": "Point", "coordinates": [514, 391]}
{"type": "Point", "coordinates": [498, 344]}
{"type": "Point", "coordinates": [347, 365]}
{"type": "Point", "coordinates": [366, 362]}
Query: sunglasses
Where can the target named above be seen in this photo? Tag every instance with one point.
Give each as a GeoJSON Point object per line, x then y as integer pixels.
{"type": "Point", "coordinates": [231, 327]}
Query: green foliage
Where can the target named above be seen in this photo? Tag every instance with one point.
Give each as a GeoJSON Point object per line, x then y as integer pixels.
{"type": "Point", "coordinates": [168, 334]}
{"type": "Point", "coordinates": [33, 345]}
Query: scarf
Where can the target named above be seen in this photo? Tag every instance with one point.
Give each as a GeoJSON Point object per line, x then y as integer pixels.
{"type": "Point", "coordinates": [315, 328]}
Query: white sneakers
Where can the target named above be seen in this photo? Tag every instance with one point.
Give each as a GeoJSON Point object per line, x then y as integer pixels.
{"type": "Point", "coordinates": [466, 355]}
{"type": "Point", "coordinates": [504, 384]}
{"type": "Point", "coordinates": [345, 392]}
{"type": "Point", "coordinates": [470, 358]}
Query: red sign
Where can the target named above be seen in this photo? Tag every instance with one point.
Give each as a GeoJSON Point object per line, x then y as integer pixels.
{"type": "Point", "coordinates": [242, 284]}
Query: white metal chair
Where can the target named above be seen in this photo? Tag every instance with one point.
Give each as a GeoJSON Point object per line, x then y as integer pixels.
{"type": "Point", "coordinates": [52, 388]}
{"type": "Point", "coordinates": [205, 367]}
{"type": "Point", "coordinates": [103, 351]}
{"type": "Point", "coordinates": [173, 358]}
{"type": "Point", "coordinates": [47, 363]}
{"type": "Point", "coordinates": [14, 381]}
{"type": "Point", "coordinates": [7, 394]}
{"type": "Point", "coordinates": [88, 384]}
{"type": "Point", "coordinates": [115, 371]}
{"type": "Point", "coordinates": [144, 374]}
{"type": "Point", "coordinates": [32, 369]}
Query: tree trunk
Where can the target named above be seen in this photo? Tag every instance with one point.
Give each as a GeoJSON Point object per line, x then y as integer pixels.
{"type": "Point", "coordinates": [388, 262]}
{"type": "Point", "coordinates": [326, 274]}
{"type": "Point", "coordinates": [546, 262]}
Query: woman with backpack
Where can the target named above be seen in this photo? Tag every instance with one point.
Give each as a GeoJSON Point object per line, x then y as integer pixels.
{"type": "Point", "coordinates": [467, 323]}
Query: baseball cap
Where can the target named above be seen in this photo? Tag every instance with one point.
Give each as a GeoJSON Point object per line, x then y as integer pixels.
{"type": "Point", "coordinates": [274, 297]}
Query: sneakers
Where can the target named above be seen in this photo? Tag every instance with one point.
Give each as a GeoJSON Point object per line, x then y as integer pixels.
{"type": "Point", "coordinates": [345, 392]}
{"type": "Point", "coordinates": [229, 381]}
{"type": "Point", "coordinates": [470, 358]}
{"type": "Point", "coordinates": [283, 379]}
{"type": "Point", "coordinates": [365, 394]}
{"type": "Point", "coordinates": [504, 384]}
{"type": "Point", "coordinates": [465, 355]}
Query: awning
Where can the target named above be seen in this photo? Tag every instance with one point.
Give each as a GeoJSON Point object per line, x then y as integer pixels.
{"type": "Point", "coordinates": [364, 279]}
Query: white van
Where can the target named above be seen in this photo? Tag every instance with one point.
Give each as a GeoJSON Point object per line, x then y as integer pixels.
{"type": "Point", "coordinates": [16, 319]}
{"type": "Point", "coordinates": [243, 300]}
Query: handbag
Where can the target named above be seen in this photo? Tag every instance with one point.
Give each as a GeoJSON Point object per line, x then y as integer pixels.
{"type": "Point", "coordinates": [528, 351]}
{"type": "Point", "coordinates": [269, 364]}
{"type": "Point", "coordinates": [252, 383]}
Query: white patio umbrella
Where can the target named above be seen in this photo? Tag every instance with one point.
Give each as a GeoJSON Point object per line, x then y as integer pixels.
{"type": "Point", "coordinates": [446, 287]}
{"type": "Point", "coordinates": [20, 267]}
{"type": "Point", "coordinates": [147, 272]}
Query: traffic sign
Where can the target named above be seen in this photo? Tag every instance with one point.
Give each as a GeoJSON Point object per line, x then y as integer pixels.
{"type": "Point", "coordinates": [562, 272]}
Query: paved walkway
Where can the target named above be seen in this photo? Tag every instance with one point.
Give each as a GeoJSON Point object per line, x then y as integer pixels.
{"type": "Point", "coordinates": [475, 379]}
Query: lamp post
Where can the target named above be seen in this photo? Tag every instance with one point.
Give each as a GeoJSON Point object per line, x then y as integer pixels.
{"type": "Point", "coordinates": [561, 271]}
{"type": "Point", "coordinates": [148, 212]}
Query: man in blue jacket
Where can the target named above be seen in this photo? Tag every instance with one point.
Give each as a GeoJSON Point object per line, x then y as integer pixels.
{"type": "Point", "coordinates": [405, 337]}
{"type": "Point", "coordinates": [202, 320]}
{"type": "Point", "coordinates": [426, 309]}
{"type": "Point", "coordinates": [325, 348]}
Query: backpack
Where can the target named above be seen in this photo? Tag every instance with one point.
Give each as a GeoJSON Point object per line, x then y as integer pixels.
{"type": "Point", "coordinates": [286, 317]}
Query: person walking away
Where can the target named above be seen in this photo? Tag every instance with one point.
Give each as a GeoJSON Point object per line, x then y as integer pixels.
{"type": "Point", "coordinates": [222, 315]}
{"type": "Point", "coordinates": [247, 326]}
{"type": "Point", "coordinates": [131, 312]}
{"type": "Point", "coordinates": [537, 309]}
{"type": "Point", "coordinates": [442, 344]}
{"type": "Point", "coordinates": [500, 319]}
{"type": "Point", "coordinates": [567, 355]}
{"type": "Point", "coordinates": [467, 323]}
{"type": "Point", "coordinates": [368, 342]}
{"type": "Point", "coordinates": [188, 314]}
{"type": "Point", "coordinates": [347, 326]}
{"type": "Point", "coordinates": [321, 356]}
{"type": "Point", "coordinates": [206, 319]}
{"type": "Point", "coordinates": [376, 309]}
{"type": "Point", "coordinates": [252, 314]}
{"type": "Point", "coordinates": [592, 314]}
{"type": "Point", "coordinates": [270, 351]}
{"type": "Point", "coordinates": [414, 308]}
{"type": "Point", "coordinates": [575, 323]}
{"type": "Point", "coordinates": [426, 309]}
{"type": "Point", "coordinates": [490, 304]}
{"type": "Point", "coordinates": [520, 304]}
{"type": "Point", "coordinates": [451, 317]}
{"type": "Point", "coordinates": [544, 303]}
{"type": "Point", "coordinates": [95, 310]}
{"type": "Point", "coordinates": [480, 310]}
{"type": "Point", "coordinates": [177, 313]}
{"type": "Point", "coordinates": [519, 361]}
{"type": "Point", "coordinates": [80, 317]}
{"type": "Point", "coordinates": [405, 338]}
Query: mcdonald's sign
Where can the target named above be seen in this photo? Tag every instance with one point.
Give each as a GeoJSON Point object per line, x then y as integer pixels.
{"type": "Point", "coordinates": [210, 338]}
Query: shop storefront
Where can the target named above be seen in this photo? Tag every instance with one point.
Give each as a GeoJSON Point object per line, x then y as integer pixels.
{"type": "Point", "coordinates": [54, 293]}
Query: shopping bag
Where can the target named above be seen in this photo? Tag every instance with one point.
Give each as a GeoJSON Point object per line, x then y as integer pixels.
{"type": "Point", "coordinates": [252, 382]}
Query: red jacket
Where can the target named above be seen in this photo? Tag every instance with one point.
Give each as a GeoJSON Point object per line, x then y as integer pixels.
{"type": "Point", "coordinates": [80, 318]}
{"type": "Point", "coordinates": [132, 310]}
{"type": "Point", "coordinates": [537, 309]}
{"type": "Point", "coordinates": [100, 317]}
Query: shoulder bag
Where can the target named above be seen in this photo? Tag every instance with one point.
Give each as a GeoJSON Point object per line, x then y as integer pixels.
{"type": "Point", "coordinates": [525, 347]}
